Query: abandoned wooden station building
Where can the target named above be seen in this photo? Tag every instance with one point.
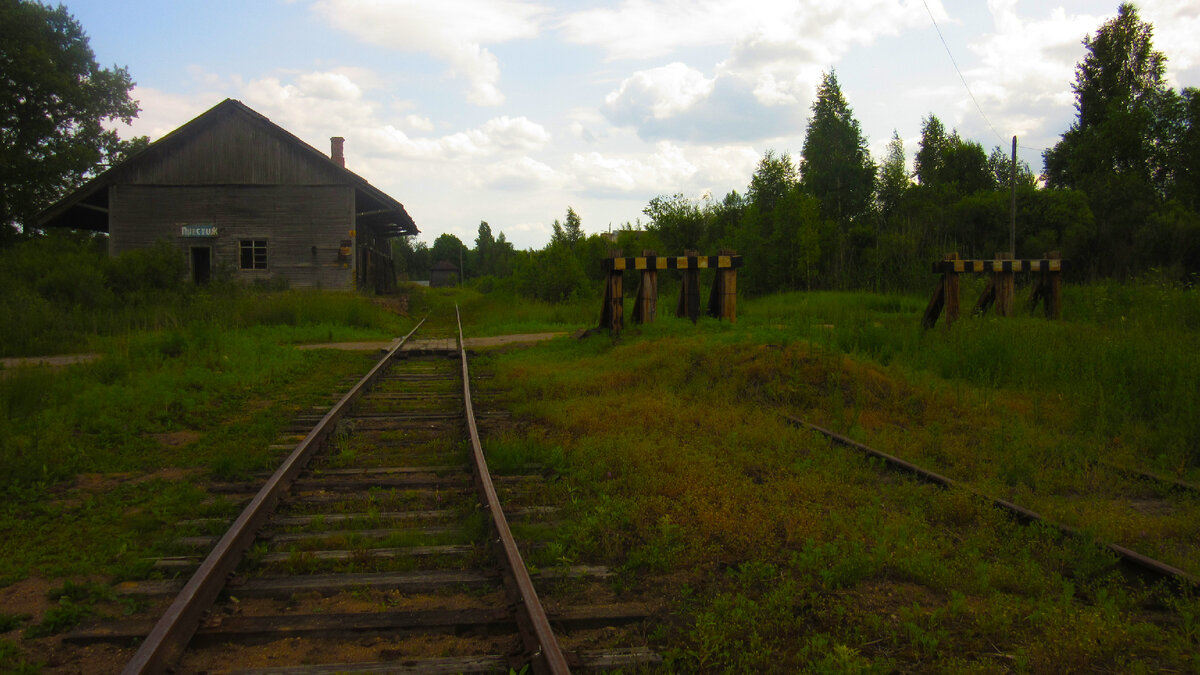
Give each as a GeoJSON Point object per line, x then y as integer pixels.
{"type": "Point", "coordinates": [240, 195]}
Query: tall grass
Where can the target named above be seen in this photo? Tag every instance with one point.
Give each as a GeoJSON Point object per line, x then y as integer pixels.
{"type": "Point", "coordinates": [502, 312]}
{"type": "Point", "coordinates": [1123, 356]}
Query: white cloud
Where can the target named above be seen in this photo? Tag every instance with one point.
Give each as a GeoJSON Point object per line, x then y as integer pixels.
{"type": "Point", "coordinates": [764, 86]}
{"type": "Point", "coordinates": [658, 93]}
{"type": "Point", "coordinates": [327, 86]}
{"type": "Point", "coordinates": [162, 112]}
{"type": "Point", "coordinates": [679, 103]}
{"type": "Point", "coordinates": [1176, 25]}
{"type": "Point", "coordinates": [1026, 66]}
{"type": "Point", "coordinates": [670, 168]}
{"type": "Point", "coordinates": [453, 31]}
{"type": "Point", "coordinates": [1022, 80]}
{"type": "Point", "coordinates": [520, 173]}
{"type": "Point", "coordinates": [503, 135]}
{"type": "Point", "coordinates": [509, 133]}
{"type": "Point", "coordinates": [317, 105]}
{"type": "Point", "coordinates": [641, 29]}
{"type": "Point", "coordinates": [418, 123]}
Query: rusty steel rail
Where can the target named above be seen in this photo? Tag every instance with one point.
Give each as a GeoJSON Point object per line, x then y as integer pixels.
{"type": "Point", "coordinates": [174, 630]}
{"type": "Point", "coordinates": [1137, 561]}
{"type": "Point", "coordinates": [545, 654]}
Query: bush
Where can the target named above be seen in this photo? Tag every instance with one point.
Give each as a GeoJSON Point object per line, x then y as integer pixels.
{"type": "Point", "coordinates": [553, 275]}
{"type": "Point", "coordinates": [158, 268]}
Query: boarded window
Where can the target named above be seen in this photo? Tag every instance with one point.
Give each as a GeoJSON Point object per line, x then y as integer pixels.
{"type": "Point", "coordinates": [254, 254]}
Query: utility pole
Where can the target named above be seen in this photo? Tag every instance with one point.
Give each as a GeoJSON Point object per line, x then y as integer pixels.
{"type": "Point", "coordinates": [1012, 215]}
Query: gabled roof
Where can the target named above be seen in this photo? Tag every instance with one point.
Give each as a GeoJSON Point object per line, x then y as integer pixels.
{"type": "Point", "coordinates": [87, 206]}
{"type": "Point", "coordinates": [444, 266]}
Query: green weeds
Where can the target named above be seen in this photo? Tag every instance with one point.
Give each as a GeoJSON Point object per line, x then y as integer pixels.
{"type": "Point", "coordinates": [11, 660]}
{"type": "Point", "coordinates": [801, 556]}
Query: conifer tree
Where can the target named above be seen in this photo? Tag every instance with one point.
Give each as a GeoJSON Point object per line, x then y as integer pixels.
{"type": "Point", "coordinates": [836, 166]}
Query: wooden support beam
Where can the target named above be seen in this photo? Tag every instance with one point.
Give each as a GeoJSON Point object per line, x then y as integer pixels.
{"type": "Point", "coordinates": [689, 292]}
{"type": "Point", "coordinates": [1005, 288]}
{"type": "Point", "coordinates": [951, 293]}
{"type": "Point", "coordinates": [945, 296]}
{"type": "Point", "coordinates": [934, 309]}
{"type": "Point", "coordinates": [1037, 292]}
{"type": "Point", "coordinates": [722, 299]}
{"type": "Point", "coordinates": [645, 304]}
{"type": "Point", "coordinates": [986, 298]}
{"type": "Point", "coordinates": [1053, 290]}
{"type": "Point", "coordinates": [612, 314]}
{"type": "Point", "coordinates": [728, 277]}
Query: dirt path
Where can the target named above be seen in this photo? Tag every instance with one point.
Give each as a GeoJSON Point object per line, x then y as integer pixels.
{"type": "Point", "coordinates": [61, 360]}
{"type": "Point", "coordinates": [51, 361]}
{"type": "Point", "coordinates": [471, 343]}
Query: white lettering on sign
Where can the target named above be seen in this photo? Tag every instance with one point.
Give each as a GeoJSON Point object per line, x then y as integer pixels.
{"type": "Point", "coordinates": [206, 230]}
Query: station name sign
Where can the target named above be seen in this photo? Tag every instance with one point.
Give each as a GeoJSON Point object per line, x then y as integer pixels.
{"type": "Point", "coordinates": [198, 230]}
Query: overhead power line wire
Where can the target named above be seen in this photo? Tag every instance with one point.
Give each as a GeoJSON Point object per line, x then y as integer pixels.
{"type": "Point", "coordinates": [960, 75]}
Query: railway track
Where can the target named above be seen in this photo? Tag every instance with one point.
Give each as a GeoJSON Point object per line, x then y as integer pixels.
{"type": "Point", "coordinates": [1142, 566]}
{"type": "Point", "coordinates": [381, 544]}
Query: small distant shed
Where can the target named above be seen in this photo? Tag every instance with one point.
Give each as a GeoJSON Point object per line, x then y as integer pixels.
{"type": "Point", "coordinates": [442, 274]}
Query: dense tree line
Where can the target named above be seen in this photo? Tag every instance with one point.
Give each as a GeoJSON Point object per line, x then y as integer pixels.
{"type": "Point", "coordinates": [1120, 194]}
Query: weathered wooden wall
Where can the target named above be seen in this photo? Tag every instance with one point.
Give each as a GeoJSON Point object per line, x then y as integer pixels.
{"type": "Point", "coordinates": [292, 218]}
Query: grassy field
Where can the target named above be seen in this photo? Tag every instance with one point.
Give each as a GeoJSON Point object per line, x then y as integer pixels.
{"type": "Point", "coordinates": [772, 549]}
{"type": "Point", "coordinates": [785, 553]}
{"type": "Point", "coordinates": [101, 460]}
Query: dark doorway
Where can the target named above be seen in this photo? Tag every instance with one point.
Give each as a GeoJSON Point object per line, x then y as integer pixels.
{"type": "Point", "coordinates": [201, 264]}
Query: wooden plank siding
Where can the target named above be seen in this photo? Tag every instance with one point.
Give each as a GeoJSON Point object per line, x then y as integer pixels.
{"type": "Point", "coordinates": [230, 152]}
{"type": "Point", "coordinates": [291, 218]}
{"type": "Point", "coordinates": [235, 170]}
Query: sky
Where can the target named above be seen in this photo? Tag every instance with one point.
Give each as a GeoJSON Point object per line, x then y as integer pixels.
{"type": "Point", "coordinates": [511, 111]}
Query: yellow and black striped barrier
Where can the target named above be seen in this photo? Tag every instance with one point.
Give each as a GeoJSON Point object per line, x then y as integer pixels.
{"type": "Point", "coordinates": [671, 262]}
{"type": "Point", "coordinates": [994, 266]}
{"type": "Point", "coordinates": [722, 301]}
{"type": "Point", "coordinates": [1047, 286]}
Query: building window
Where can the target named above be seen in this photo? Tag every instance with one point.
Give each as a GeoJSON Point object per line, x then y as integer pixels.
{"type": "Point", "coordinates": [254, 254]}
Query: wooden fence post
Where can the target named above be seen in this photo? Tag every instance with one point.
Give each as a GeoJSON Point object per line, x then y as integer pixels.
{"type": "Point", "coordinates": [689, 290]}
{"type": "Point", "coordinates": [645, 304]}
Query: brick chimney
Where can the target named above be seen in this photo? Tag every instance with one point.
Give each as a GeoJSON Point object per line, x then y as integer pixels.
{"type": "Point", "coordinates": [335, 150]}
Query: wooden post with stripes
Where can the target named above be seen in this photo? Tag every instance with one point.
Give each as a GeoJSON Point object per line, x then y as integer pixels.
{"type": "Point", "coordinates": [722, 300]}
{"type": "Point", "coordinates": [612, 314]}
{"type": "Point", "coordinates": [689, 290]}
{"type": "Point", "coordinates": [645, 304]}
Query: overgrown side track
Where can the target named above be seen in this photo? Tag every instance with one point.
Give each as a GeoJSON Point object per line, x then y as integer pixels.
{"type": "Point", "coordinates": [1137, 562]}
